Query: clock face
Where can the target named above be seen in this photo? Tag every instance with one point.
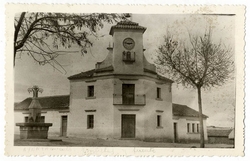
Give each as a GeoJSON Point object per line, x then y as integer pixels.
{"type": "Point", "coordinates": [129, 43]}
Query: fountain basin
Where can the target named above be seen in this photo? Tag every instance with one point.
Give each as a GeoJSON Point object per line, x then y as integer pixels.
{"type": "Point", "coordinates": [34, 130]}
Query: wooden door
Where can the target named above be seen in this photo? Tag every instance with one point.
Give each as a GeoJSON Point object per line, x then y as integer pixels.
{"type": "Point", "coordinates": [64, 126]}
{"type": "Point", "coordinates": [175, 133]}
{"type": "Point", "coordinates": [128, 126]}
{"type": "Point", "coordinates": [128, 93]}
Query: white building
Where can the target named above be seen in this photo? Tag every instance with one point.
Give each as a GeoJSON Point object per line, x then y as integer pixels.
{"type": "Point", "coordinates": [123, 97]}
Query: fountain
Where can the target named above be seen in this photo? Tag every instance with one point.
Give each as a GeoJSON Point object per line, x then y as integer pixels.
{"type": "Point", "coordinates": [34, 128]}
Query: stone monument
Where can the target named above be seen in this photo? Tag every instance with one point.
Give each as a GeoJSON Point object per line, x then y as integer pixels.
{"type": "Point", "coordinates": [34, 128]}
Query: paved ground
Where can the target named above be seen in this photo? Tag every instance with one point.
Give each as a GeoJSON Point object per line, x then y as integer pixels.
{"type": "Point", "coordinates": [83, 142]}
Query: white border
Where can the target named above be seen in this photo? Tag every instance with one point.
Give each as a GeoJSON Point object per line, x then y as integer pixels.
{"type": "Point", "coordinates": [11, 9]}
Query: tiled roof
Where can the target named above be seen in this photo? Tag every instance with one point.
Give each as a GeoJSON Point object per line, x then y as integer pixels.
{"type": "Point", "coordinates": [219, 132]}
{"type": "Point", "coordinates": [127, 22]}
{"type": "Point", "coordinates": [109, 68]}
{"type": "Point", "coordinates": [90, 73]}
{"type": "Point", "coordinates": [86, 74]}
{"type": "Point", "coordinates": [164, 78]}
{"type": "Point", "coordinates": [149, 71]}
{"type": "Point", "coordinates": [127, 25]}
{"type": "Point", "coordinates": [49, 102]}
{"type": "Point", "coordinates": [183, 110]}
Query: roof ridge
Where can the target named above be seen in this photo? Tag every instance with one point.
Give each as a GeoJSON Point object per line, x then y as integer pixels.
{"type": "Point", "coordinates": [128, 22]}
{"type": "Point", "coordinates": [47, 102]}
{"type": "Point", "coordinates": [127, 25]}
{"type": "Point", "coordinates": [163, 77]}
{"type": "Point", "coordinates": [89, 73]}
{"type": "Point", "coordinates": [53, 96]}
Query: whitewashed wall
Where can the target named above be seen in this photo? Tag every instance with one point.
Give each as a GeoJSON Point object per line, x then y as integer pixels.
{"type": "Point", "coordinates": [102, 103]}
{"type": "Point", "coordinates": [183, 135]}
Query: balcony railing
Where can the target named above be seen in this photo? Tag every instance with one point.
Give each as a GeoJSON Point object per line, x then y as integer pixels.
{"type": "Point", "coordinates": [119, 99]}
{"type": "Point", "coordinates": [128, 56]}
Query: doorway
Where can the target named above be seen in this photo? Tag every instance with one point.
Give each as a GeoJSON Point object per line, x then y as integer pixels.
{"type": "Point", "coordinates": [128, 126]}
{"type": "Point", "coordinates": [128, 94]}
{"type": "Point", "coordinates": [64, 126]}
{"type": "Point", "coordinates": [175, 133]}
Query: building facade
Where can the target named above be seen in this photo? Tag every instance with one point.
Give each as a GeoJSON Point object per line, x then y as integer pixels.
{"type": "Point", "coordinates": [187, 125]}
{"type": "Point", "coordinates": [122, 98]}
{"type": "Point", "coordinates": [220, 135]}
{"type": "Point", "coordinates": [54, 110]}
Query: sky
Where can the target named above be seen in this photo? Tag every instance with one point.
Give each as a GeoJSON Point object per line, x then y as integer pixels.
{"type": "Point", "coordinates": [218, 102]}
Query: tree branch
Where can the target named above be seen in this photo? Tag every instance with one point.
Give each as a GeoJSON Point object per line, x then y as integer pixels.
{"type": "Point", "coordinates": [19, 24]}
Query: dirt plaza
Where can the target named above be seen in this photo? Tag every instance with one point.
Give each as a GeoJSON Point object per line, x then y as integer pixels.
{"type": "Point", "coordinates": [84, 142]}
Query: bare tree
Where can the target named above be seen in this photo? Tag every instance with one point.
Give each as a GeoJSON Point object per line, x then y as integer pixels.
{"type": "Point", "coordinates": [40, 35]}
{"type": "Point", "coordinates": [202, 64]}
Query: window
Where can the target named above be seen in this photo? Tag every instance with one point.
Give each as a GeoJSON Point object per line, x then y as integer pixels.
{"type": "Point", "coordinates": [193, 128]}
{"type": "Point", "coordinates": [90, 121]}
{"type": "Point", "coordinates": [42, 119]}
{"type": "Point", "coordinates": [158, 120]}
{"type": "Point", "coordinates": [91, 91]}
{"type": "Point", "coordinates": [128, 56]}
{"type": "Point", "coordinates": [128, 94]}
{"type": "Point", "coordinates": [26, 119]}
{"type": "Point", "coordinates": [158, 95]}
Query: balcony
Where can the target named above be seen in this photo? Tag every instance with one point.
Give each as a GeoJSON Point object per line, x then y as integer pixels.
{"type": "Point", "coordinates": [128, 57]}
{"type": "Point", "coordinates": [119, 99]}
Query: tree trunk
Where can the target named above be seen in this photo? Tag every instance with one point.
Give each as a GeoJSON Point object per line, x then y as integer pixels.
{"type": "Point", "coordinates": [202, 139]}
{"type": "Point", "coordinates": [17, 29]}
{"type": "Point", "coordinates": [14, 58]}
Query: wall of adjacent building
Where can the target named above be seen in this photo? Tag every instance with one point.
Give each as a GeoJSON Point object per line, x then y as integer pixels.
{"type": "Point", "coordinates": [51, 116]}
{"type": "Point", "coordinates": [55, 117]}
{"type": "Point", "coordinates": [19, 117]}
{"type": "Point", "coordinates": [220, 140]}
{"type": "Point", "coordinates": [183, 135]}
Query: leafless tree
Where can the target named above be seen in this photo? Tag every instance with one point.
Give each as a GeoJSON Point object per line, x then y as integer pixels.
{"type": "Point", "coordinates": [40, 35]}
{"type": "Point", "coordinates": [202, 64]}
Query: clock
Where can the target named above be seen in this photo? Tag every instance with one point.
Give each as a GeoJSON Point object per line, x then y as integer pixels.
{"type": "Point", "coordinates": [128, 43]}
